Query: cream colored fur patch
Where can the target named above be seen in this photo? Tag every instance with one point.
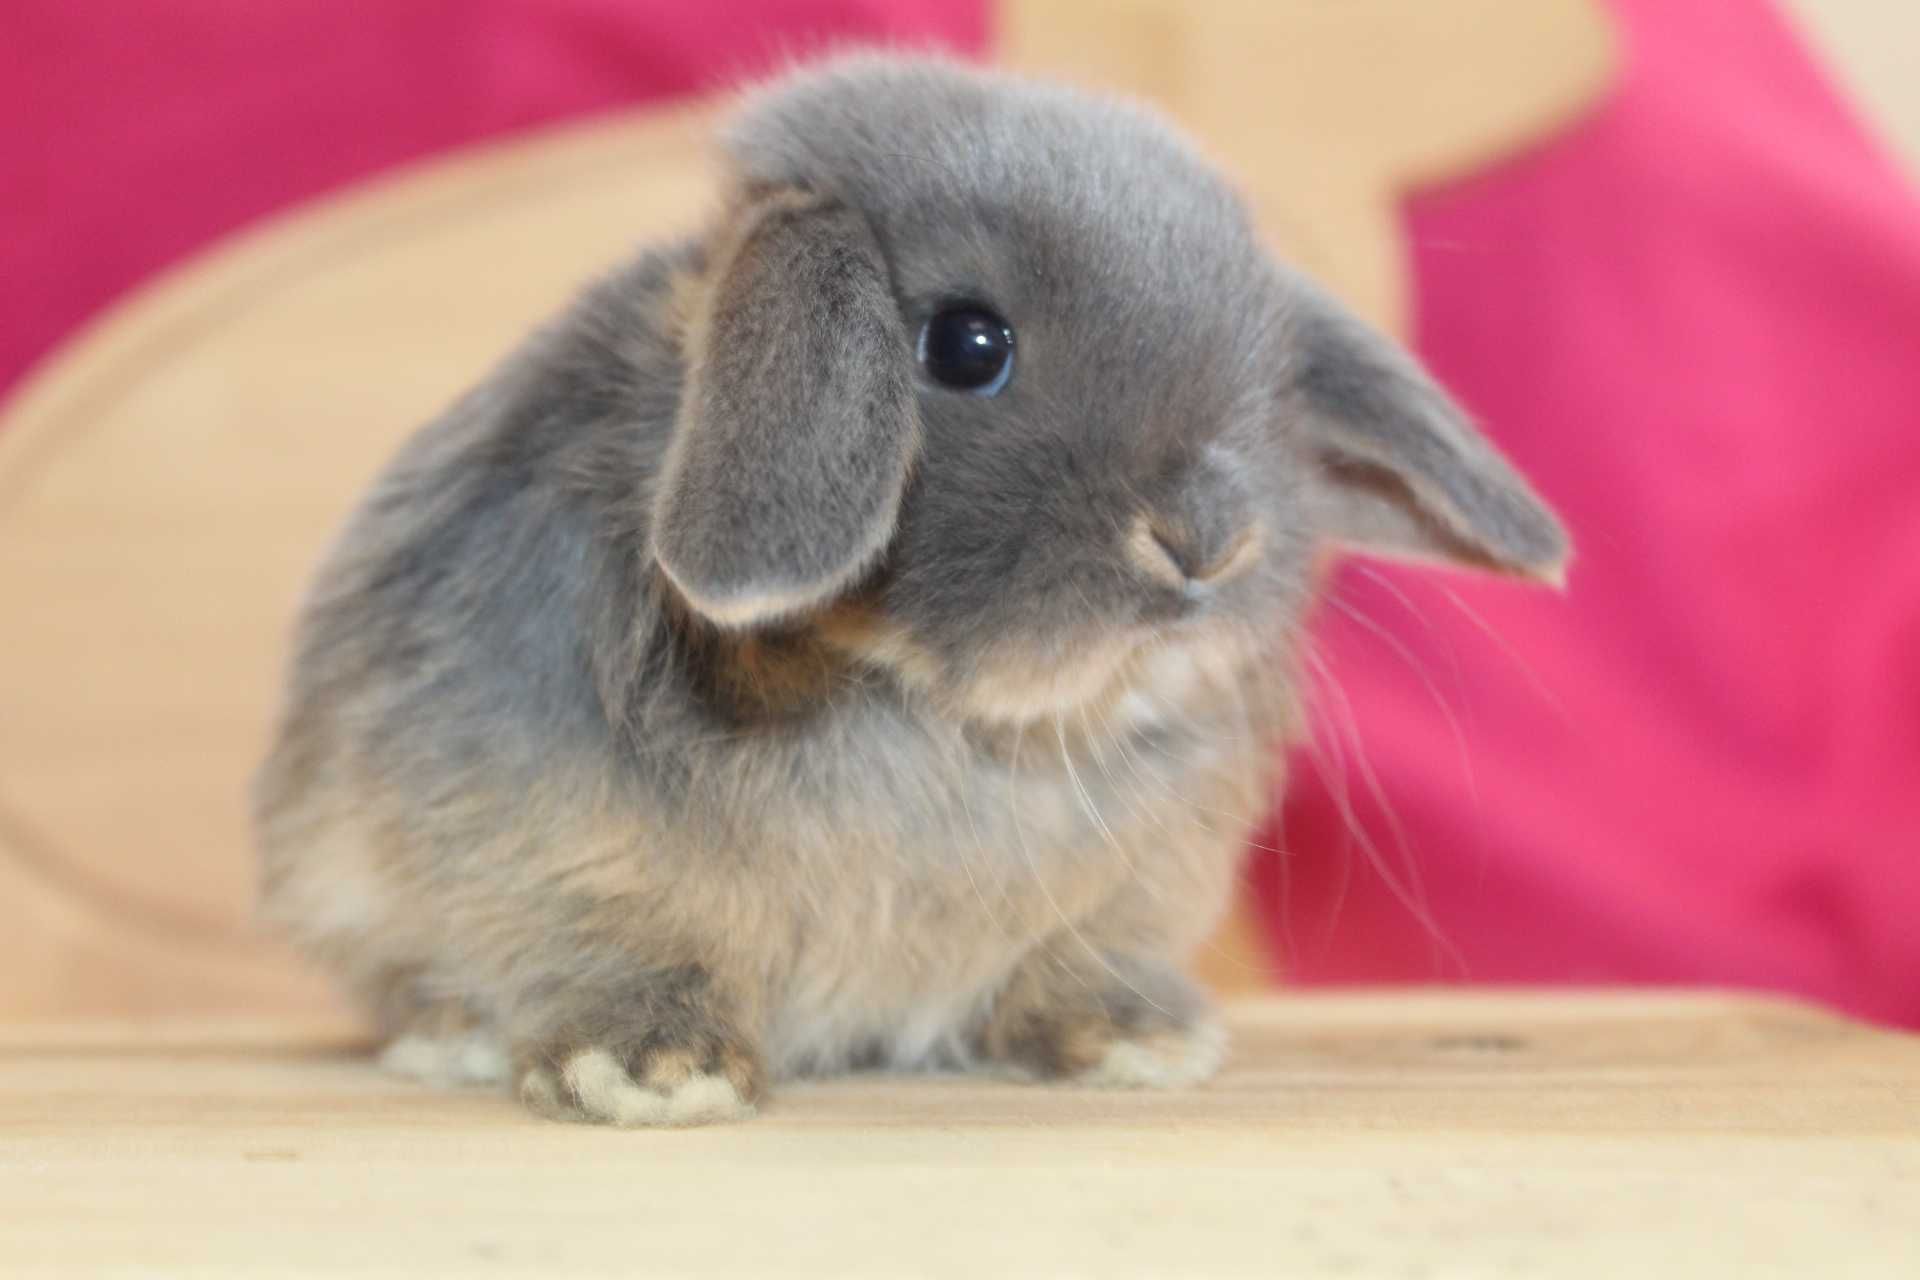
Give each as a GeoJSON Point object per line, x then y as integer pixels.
{"type": "Point", "coordinates": [447, 1061]}
{"type": "Point", "coordinates": [605, 1091]}
{"type": "Point", "coordinates": [1161, 1062]}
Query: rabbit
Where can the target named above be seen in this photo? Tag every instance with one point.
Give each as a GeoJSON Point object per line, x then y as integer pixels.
{"type": "Point", "coordinates": [858, 634]}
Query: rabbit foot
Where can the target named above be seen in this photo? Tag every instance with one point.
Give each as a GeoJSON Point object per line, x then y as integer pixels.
{"type": "Point", "coordinates": [449, 1061]}
{"type": "Point", "coordinates": [447, 1043]}
{"type": "Point", "coordinates": [1167, 1060]}
{"type": "Point", "coordinates": [656, 1090]}
{"type": "Point", "coordinates": [663, 1054]}
{"type": "Point", "coordinates": [1131, 1024]}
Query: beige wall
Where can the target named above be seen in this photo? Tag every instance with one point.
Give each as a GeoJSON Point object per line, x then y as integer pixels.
{"type": "Point", "coordinates": [1873, 48]}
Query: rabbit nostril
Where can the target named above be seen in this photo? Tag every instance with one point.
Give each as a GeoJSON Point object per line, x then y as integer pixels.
{"type": "Point", "coordinates": [1179, 554]}
{"type": "Point", "coordinates": [1234, 557]}
{"type": "Point", "coordinates": [1156, 554]}
{"type": "Point", "coordinates": [1168, 556]}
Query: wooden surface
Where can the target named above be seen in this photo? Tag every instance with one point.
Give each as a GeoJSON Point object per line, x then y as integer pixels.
{"type": "Point", "coordinates": [168, 479]}
{"type": "Point", "coordinates": [1605, 1135]}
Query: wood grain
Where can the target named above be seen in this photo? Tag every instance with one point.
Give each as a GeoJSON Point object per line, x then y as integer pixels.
{"type": "Point", "coordinates": [1489, 1135]}
{"type": "Point", "coordinates": [167, 480]}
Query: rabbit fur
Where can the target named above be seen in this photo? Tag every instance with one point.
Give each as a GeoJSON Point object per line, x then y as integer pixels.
{"type": "Point", "coordinates": [709, 698]}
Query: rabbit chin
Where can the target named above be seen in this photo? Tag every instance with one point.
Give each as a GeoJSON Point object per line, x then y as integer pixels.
{"type": "Point", "coordinates": [1125, 679]}
{"type": "Point", "coordinates": [1015, 693]}
{"type": "Point", "coordinates": [1132, 684]}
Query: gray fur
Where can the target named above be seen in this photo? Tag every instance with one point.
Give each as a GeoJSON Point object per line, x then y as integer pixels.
{"type": "Point", "coordinates": [970, 791]}
{"type": "Point", "coordinates": [1410, 473]}
{"type": "Point", "coordinates": [797, 425]}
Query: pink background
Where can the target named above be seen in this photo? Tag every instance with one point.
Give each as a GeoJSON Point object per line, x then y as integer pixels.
{"type": "Point", "coordinates": [1695, 320]}
{"type": "Point", "coordinates": [1696, 323]}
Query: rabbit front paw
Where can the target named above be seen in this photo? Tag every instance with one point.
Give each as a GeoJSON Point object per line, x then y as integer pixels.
{"type": "Point", "coordinates": [1158, 1060]}
{"type": "Point", "coordinates": [1127, 1024]}
{"type": "Point", "coordinates": [648, 1089]}
{"type": "Point", "coordinates": [651, 1060]}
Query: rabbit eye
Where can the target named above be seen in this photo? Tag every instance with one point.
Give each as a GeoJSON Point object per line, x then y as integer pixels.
{"type": "Point", "coordinates": [969, 348]}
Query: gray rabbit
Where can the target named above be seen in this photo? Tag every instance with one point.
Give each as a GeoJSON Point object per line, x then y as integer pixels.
{"type": "Point", "coordinates": [857, 635]}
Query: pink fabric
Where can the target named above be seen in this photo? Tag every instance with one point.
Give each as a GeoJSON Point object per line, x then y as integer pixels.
{"type": "Point", "coordinates": [135, 132]}
{"type": "Point", "coordinates": [1695, 321]}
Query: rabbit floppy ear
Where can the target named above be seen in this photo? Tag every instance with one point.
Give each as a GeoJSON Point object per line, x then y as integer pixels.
{"type": "Point", "coordinates": [797, 424]}
{"type": "Point", "coordinates": [1403, 470]}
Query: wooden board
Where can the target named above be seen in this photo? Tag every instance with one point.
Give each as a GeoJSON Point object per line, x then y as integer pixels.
{"type": "Point", "coordinates": [1603, 1135]}
{"type": "Point", "coordinates": [168, 479]}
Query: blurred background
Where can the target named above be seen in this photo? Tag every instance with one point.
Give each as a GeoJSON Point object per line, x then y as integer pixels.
{"type": "Point", "coordinates": [1667, 250]}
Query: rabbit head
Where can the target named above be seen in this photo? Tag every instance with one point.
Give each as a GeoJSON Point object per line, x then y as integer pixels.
{"type": "Point", "coordinates": [999, 379]}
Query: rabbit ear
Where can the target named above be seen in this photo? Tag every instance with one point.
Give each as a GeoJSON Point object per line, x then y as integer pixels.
{"type": "Point", "coordinates": [1404, 471]}
{"type": "Point", "coordinates": [797, 424]}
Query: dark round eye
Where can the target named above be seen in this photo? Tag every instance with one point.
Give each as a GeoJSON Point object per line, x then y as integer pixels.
{"type": "Point", "coordinates": [968, 348]}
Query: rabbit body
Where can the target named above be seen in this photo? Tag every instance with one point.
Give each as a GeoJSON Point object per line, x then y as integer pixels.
{"type": "Point", "coordinates": [712, 696]}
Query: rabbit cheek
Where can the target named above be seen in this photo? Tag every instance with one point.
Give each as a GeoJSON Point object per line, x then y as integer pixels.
{"type": "Point", "coordinates": [1020, 691]}
{"type": "Point", "coordinates": [864, 636]}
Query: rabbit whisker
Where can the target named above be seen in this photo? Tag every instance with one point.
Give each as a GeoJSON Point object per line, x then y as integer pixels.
{"type": "Point", "coordinates": [1411, 895]}
{"type": "Point", "coordinates": [1093, 811]}
{"type": "Point", "coordinates": [966, 865]}
{"type": "Point", "coordinates": [1040, 882]}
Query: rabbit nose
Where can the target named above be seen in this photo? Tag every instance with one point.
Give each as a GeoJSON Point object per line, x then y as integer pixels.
{"type": "Point", "coordinates": [1184, 553]}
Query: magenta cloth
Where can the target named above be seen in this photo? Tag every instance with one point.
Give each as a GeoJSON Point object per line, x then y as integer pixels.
{"type": "Point", "coordinates": [135, 132]}
{"type": "Point", "coordinates": [1695, 320]}
{"type": "Point", "coordinates": [1696, 323]}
